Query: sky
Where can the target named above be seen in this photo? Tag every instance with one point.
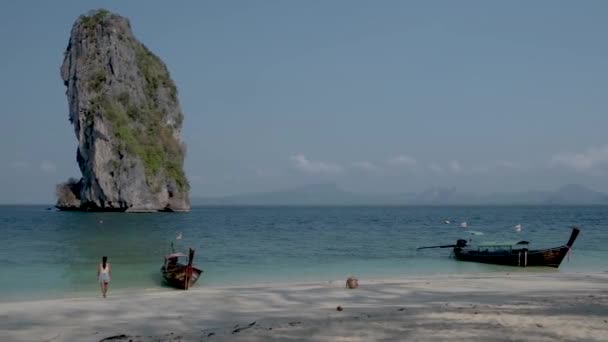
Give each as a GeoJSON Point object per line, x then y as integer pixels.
{"type": "Point", "coordinates": [374, 96]}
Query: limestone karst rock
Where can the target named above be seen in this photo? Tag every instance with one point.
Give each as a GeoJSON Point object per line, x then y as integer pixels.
{"type": "Point", "coordinates": [126, 115]}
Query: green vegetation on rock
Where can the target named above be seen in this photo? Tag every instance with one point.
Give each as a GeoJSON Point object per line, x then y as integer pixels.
{"type": "Point", "coordinates": [155, 72]}
{"type": "Point", "coordinates": [90, 21]}
{"type": "Point", "coordinates": [96, 82]}
{"type": "Point", "coordinates": [140, 132]}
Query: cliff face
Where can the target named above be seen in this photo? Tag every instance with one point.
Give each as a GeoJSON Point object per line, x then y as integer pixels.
{"type": "Point", "coordinates": [126, 115]}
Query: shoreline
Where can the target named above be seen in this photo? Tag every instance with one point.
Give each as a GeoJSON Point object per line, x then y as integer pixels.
{"type": "Point", "coordinates": [162, 288]}
{"type": "Point", "coordinates": [57, 294]}
{"type": "Point", "coordinates": [488, 307]}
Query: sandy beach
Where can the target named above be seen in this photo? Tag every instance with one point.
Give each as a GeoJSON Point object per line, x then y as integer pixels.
{"type": "Point", "coordinates": [497, 307]}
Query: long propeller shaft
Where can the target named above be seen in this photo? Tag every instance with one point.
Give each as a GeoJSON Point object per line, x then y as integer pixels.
{"type": "Point", "coordinates": [443, 246]}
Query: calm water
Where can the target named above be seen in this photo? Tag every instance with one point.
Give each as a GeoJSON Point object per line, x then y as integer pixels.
{"type": "Point", "coordinates": [50, 253]}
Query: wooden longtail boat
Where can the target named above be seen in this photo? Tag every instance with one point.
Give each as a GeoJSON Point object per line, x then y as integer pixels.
{"type": "Point", "coordinates": [510, 255]}
{"type": "Point", "coordinates": [178, 274]}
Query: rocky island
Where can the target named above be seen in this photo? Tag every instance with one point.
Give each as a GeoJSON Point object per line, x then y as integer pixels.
{"type": "Point", "coordinates": [126, 115]}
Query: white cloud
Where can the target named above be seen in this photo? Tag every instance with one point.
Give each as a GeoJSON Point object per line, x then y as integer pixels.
{"type": "Point", "coordinates": [435, 167]}
{"type": "Point", "coordinates": [583, 161]}
{"type": "Point", "coordinates": [455, 166]}
{"type": "Point", "coordinates": [311, 166]}
{"type": "Point", "coordinates": [484, 168]}
{"type": "Point", "coordinates": [366, 166]}
{"type": "Point", "coordinates": [18, 164]}
{"type": "Point", "coordinates": [48, 166]}
{"type": "Point", "coordinates": [502, 164]}
{"type": "Point", "coordinates": [402, 160]}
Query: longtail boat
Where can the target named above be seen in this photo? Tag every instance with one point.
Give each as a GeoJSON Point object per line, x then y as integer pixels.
{"type": "Point", "coordinates": [179, 274]}
{"type": "Point", "coordinates": [512, 255]}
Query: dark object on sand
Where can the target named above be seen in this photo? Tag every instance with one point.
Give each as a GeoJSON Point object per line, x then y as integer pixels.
{"type": "Point", "coordinates": [512, 255]}
{"type": "Point", "coordinates": [238, 330]}
{"type": "Point", "coordinates": [178, 274]}
{"type": "Point", "coordinates": [115, 338]}
{"type": "Point", "coordinates": [339, 308]}
{"type": "Point", "coordinates": [352, 283]}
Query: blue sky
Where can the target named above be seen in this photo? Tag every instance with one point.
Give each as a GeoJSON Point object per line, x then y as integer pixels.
{"type": "Point", "coordinates": [386, 96]}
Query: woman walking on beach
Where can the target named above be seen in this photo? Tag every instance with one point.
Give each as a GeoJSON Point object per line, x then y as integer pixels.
{"type": "Point", "coordinates": [104, 274]}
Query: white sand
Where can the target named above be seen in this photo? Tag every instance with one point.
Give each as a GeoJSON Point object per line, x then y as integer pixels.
{"type": "Point", "coordinates": [498, 307]}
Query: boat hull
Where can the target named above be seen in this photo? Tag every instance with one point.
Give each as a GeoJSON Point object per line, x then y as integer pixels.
{"type": "Point", "coordinates": [552, 257]}
{"type": "Point", "coordinates": [176, 277]}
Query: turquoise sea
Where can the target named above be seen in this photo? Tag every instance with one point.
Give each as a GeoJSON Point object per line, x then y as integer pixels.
{"type": "Point", "coordinates": [48, 253]}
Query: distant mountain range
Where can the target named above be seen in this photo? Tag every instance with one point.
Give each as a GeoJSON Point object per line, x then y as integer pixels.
{"type": "Point", "coordinates": [330, 194]}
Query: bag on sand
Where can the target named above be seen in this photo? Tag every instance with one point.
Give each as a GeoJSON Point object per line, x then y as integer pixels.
{"type": "Point", "coordinates": [352, 283]}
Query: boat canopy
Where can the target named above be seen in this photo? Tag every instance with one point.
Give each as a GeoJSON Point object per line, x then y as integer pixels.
{"type": "Point", "coordinates": [501, 244]}
{"type": "Point", "coordinates": [175, 255]}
